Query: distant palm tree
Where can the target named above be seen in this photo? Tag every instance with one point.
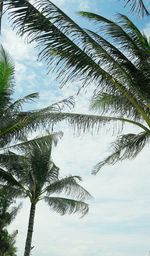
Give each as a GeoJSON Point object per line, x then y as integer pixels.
{"type": "Point", "coordinates": [115, 60]}
{"type": "Point", "coordinates": [37, 177]}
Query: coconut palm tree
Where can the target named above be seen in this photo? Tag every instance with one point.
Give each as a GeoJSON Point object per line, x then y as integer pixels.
{"type": "Point", "coordinates": [37, 177]}
{"type": "Point", "coordinates": [114, 60]}
{"type": "Point", "coordinates": [14, 122]}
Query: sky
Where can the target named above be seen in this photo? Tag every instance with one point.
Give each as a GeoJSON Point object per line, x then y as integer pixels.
{"type": "Point", "coordinates": [118, 222]}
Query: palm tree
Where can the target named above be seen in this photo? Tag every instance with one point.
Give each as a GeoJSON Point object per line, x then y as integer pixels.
{"type": "Point", "coordinates": [37, 177]}
{"type": "Point", "coordinates": [115, 60]}
{"type": "Point", "coordinates": [14, 122]}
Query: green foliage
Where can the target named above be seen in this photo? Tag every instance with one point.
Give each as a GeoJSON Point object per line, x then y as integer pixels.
{"type": "Point", "coordinates": [7, 215]}
{"type": "Point", "coordinates": [34, 175]}
{"type": "Point", "coordinates": [7, 243]}
{"type": "Point", "coordinates": [114, 59]}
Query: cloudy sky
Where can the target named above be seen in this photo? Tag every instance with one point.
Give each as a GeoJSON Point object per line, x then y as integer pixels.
{"type": "Point", "coordinates": [119, 219]}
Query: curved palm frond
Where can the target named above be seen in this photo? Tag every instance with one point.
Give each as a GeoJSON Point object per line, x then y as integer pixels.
{"type": "Point", "coordinates": [138, 6]}
{"type": "Point", "coordinates": [67, 206]}
{"type": "Point", "coordinates": [6, 78]}
{"type": "Point", "coordinates": [12, 162]}
{"type": "Point", "coordinates": [53, 172]}
{"type": "Point", "coordinates": [126, 146]}
{"type": "Point", "coordinates": [49, 27]}
{"type": "Point", "coordinates": [18, 104]}
{"type": "Point", "coordinates": [69, 186]}
{"type": "Point", "coordinates": [121, 70]}
{"type": "Point", "coordinates": [114, 104]}
{"type": "Point", "coordinates": [42, 143]}
{"type": "Point", "coordinates": [9, 179]}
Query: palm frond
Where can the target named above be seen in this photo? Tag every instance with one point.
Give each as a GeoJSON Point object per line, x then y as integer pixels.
{"type": "Point", "coordinates": [59, 105]}
{"type": "Point", "coordinates": [138, 6]}
{"type": "Point", "coordinates": [9, 179]}
{"type": "Point", "coordinates": [6, 78]}
{"type": "Point", "coordinates": [53, 172]}
{"type": "Point", "coordinates": [69, 186]}
{"type": "Point", "coordinates": [90, 123]}
{"type": "Point", "coordinates": [18, 104]}
{"type": "Point", "coordinates": [127, 146]}
{"type": "Point", "coordinates": [45, 27]}
{"type": "Point", "coordinates": [114, 104]}
{"type": "Point", "coordinates": [39, 142]}
{"type": "Point", "coordinates": [11, 161]}
{"type": "Point", "coordinates": [122, 30]}
{"type": "Point", "coordinates": [38, 27]}
{"type": "Point", "coordinates": [67, 206]}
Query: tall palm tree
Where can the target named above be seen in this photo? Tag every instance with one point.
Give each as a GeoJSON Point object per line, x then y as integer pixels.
{"type": "Point", "coordinates": [115, 60]}
{"type": "Point", "coordinates": [37, 177]}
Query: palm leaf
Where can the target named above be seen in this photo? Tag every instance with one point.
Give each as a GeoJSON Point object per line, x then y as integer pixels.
{"type": "Point", "coordinates": [45, 27]}
{"type": "Point", "coordinates": [69, 186]}
{"type": "Point", "coordinates": [40, 142]}
{"type": "Point", "coordinates": [65, 205]}
{"type": "Point", "coordinates": [17, 105]}
{"type": "Point", "coordinates": [114, 104]}
{"type": "Point", "coordinates": [125, 147]}
{"type": "Point", "coordinates": [138, 6]}
{"type": "Point", "coordinates": [52, 40]}
{"type": "Point", "coordinates": [53, 172]}
{"type": "Point", "coordinates": [9, 179]}
{"type": "Point", "coordinates": [59, 105]}
{"type": "Point", "coordinates": [6, 78]}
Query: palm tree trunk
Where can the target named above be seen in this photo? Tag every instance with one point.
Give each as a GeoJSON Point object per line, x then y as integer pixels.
{"type": "Point", "coordinates": [30, 231]}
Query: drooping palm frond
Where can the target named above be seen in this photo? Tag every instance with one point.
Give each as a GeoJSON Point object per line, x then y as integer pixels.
{"type": "Point", "coordinates": [69, 186]}
{"type": "Point", "coordinates": [104, 103]}
{"type": "Point", "coordinates": [126, 146]}
{"type": "Point", "coordinates": [9, 179]}
{"type": "Point", "coordinates": [115, 60]}
{"type": "Point", "coordinates": [66, 206]}
{"type": "Point", "coordinates": [42, 143]}
{"type": "Point", "coordinates": [53, 31]}
{"type": "Point", "coordinates": [18, 104]}
{"type": "Point", "coordinates": [138, 6]}
{"type": "Point", "coordinates": [12, 162]}
{"type": "Point", "coordinates": [6, 78]}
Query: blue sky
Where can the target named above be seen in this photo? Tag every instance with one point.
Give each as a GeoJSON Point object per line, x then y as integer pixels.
{"type": "Point", "coordinates": [119, 219]}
